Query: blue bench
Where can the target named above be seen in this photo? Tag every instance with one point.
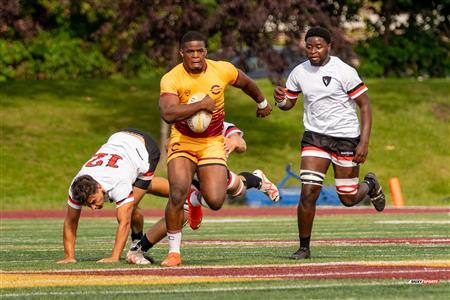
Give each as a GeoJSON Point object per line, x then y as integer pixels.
{"type": "Point", "coordinates": [290, 195]}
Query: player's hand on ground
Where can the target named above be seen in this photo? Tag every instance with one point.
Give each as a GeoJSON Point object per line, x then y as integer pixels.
{"type": "Point", "coordinates": [361, 153]}
{"type": "Point", "coordinates": [108, 260]}
{"type": "Point", "coordinates": [264, 112]}
{"type": "Point", "coordinates": [67, 261]}
{"type": "Point", "coordinates": [208, 104]}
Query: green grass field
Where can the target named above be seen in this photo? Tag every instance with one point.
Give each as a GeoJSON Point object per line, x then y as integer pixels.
{"type": "Point", "coordinates": [50, 128]}
{"type": "Point", "coordinates": [30, 247]}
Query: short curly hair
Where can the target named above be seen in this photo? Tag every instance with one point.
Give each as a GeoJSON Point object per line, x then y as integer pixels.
{"type": "Point", "coordinates": [191, 36]}
{"type": "Point", "coordinates": [319, 32]}
{"type": "Point", "coordinates": [82, 187]}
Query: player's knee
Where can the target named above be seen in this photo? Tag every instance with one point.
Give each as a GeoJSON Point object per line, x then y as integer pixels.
{"type": "Point", "coordinates": [309, 197]}
{"type": "Point", "coordinates": [235, 186]}
{"type": "Point", "coordinates": [178, 195]}
{"type": "Point", "coordinates": [347, 200]}
{"type": "Point", "coordinates": [215, 206]}
{"type": "Point", "coordinates": [347, 188]}
{"type": "Point", "coordinates": [311, 184]}
{"type": "Point", "coordinates": [215, 202]}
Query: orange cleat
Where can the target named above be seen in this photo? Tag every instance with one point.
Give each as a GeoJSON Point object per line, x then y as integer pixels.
{"type": "Point", "coordinates": [173, 259]}
{"type": "Point", "coordinates": [195, 213]}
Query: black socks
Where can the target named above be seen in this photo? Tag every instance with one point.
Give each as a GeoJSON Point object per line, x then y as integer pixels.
{"type": "Point", "coordinates": [251, 181]}
{"type": "Point", "coordinates": [304, 242]}
{"type": "Point", "coordinates": [136, 236]}
{"type": "Point", "coordinates": [144, 244]}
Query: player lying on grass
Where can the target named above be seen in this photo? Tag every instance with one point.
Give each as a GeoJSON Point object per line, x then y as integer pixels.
{"type": "Point", "coordinates": [121, 171]}
{"type": "Point", "coordinates": [237, 186]}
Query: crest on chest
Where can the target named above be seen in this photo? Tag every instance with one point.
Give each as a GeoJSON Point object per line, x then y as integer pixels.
{"type": "Point", "coordinates": [326, 80]}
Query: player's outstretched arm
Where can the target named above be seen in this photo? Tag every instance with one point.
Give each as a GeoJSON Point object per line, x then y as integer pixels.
{"type": "Point", "coordinates": [172, 111]}
{"type": "Point", "coordinates": [70, 235]}
{"type": "Point", "coordinates": [123, 215]}
{"type": "Point", "coordinates": [248, 86]}
{"type": "Point", "coordinates": [235, 143]}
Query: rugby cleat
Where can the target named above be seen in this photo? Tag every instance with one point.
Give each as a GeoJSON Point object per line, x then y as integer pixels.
{"type": "Point", "coordinates": [301, 253]}
{"type": "Point", "coordinates": [376, 194]}
{"type": "Point", "coordinates": [195, 213]}
{"type": "Point", "coordinates": [267, 187]}
{"type": "Point", "coordinates": [137, 257]}
{"type": "Point", "coordinates": [173, 259]}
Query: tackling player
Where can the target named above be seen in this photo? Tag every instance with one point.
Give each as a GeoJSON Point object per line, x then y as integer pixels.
{"type": "Point", "coordinates": [120, 172]}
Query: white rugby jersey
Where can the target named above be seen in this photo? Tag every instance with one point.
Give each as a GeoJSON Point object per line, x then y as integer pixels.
{"type": "Point", "coordinates": [116, 166]}
{"type": "Point", "coordinates": [328, 92]}
{"type": "Point", "coordinates": [230, 129]}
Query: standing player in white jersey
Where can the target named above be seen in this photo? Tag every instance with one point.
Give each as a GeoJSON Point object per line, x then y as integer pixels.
{"type": "Point", "coordinates": [332, 90]}
{"type": "Point", "coordinates": [121, 172]}
{"type": "Point", "coordinates": [236, 187]}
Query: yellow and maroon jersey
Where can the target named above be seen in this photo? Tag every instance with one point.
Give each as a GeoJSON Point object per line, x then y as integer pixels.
{"type": "Point", "coordinates": [213, 81]}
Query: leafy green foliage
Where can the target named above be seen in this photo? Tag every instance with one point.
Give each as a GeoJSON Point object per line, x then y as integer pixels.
{"type": "Point", "coordinates": [404, 55]}
{"type": "Point", "coordinates": [410, 38]}
{"type": "Point", "coordinates": [52, 56]}
{"type": "Point", "coordinates": [95, 38]}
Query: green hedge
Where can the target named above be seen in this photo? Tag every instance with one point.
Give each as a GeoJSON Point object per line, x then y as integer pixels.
{"type": "Point", "coordinates": [404, 55]}
{"type": "Point", "coordinates": [52, 56]}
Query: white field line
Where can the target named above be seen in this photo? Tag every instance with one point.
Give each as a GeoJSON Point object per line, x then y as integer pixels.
{"type": "Point", "coordinates": [340, 263]}
{"type": "Point", "coordinates": [233, 220]}
{"type": "Point", "coordinates": [319, 242]}
{"type": "Point", "coordinates": [412, 222]}
{"type": "Point", "coordinates": [268, 287]}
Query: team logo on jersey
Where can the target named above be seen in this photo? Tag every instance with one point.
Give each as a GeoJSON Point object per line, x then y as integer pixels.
{"type": "Point", "coordinates": [326, 80]}
{"type": "Point", "coordinates": [216, 89]}
{"type": "Point", "coordinates": [175, 147]}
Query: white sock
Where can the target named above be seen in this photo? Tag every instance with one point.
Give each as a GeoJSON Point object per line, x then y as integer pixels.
{"type": "Point", "coordinates": [193, 198]}
{"type": "Point", "coordinates": [197, 199]}
{"type": "Point", "coordinates": [202, 201]}
{"type": "Point", "coordinates": [174, 239]}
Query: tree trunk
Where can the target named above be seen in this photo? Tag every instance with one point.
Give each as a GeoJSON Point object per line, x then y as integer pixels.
{"type": "Point", "coordinates": [386, 12]}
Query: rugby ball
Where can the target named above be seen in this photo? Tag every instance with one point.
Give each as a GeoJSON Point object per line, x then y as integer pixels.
{"type": "Point", "coordinates": [199, 121]}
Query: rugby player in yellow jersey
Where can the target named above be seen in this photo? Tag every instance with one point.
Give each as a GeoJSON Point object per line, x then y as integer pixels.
{"type": "Point", "coordinates": [190, 152]}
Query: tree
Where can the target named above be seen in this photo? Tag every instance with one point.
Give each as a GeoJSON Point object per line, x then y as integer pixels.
{"type": "Point", "coordinates": [410, 38]}
{"type": "Point", "coordinates": [143, 35]}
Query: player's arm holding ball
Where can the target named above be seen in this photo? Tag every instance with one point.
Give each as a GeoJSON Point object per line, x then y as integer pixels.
{"type": "Point", "coordinates": [172, 111]}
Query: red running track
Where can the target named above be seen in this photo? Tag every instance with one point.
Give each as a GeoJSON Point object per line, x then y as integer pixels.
{"type": "Point", "coordinates": [231, 212]}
